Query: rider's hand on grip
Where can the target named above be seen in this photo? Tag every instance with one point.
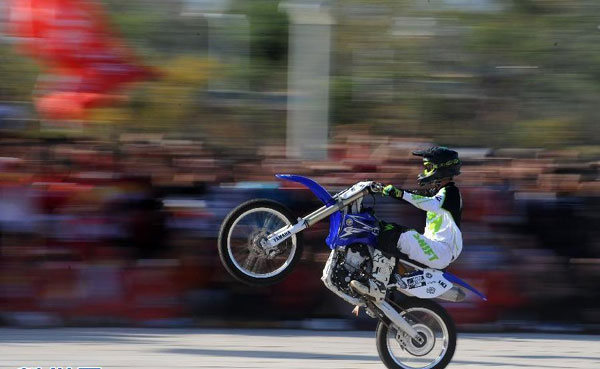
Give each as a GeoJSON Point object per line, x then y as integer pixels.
{"type": "Point", "coordinates": [392, 191]}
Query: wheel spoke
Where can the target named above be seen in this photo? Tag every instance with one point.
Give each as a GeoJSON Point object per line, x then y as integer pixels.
{"type": "Point", "coordinates": [270, 264]}
{"type": "Point", "coordinates": [250, 261]}
{"type": "Point", "coordinates": [261, 264]}
{"type": "Point", "coordinates": [242, 251]}
{"type": "Point", "coordinates": [269, 221]}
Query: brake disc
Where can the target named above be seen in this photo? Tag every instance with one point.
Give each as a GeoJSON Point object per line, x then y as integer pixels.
{"type": "Point", "coordinates": [415, 348]}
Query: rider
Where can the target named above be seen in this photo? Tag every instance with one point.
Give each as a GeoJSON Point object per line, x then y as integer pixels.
{"type": "Point", "coordinates": [441, 242]}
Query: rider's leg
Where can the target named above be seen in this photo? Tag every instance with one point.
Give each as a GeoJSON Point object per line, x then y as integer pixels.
{"type": "Point", "coordinates": [432, 253]}
{"type": "Point", "coordinates": [383, 266]}
{"type": "Point", "coordinates": [389, 233]}
{"type": "Point", "coordinates": [387, 245]}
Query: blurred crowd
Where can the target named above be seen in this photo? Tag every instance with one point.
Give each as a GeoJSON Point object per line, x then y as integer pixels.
{"type": "Point", "coordinates": [124, 232]}
{"type": "Point", "coordinates": [129, 129]}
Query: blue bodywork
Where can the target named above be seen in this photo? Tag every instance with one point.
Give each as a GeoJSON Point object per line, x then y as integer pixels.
{"type": "Point", "coordinates": [355, 228]}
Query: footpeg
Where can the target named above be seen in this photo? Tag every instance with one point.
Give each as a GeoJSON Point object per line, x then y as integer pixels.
{"type": "Point", "coordinates": [373, 290]}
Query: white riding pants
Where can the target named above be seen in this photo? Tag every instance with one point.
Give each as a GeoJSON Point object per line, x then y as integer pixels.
{"type": "Point", "coordinates": [434, 254]}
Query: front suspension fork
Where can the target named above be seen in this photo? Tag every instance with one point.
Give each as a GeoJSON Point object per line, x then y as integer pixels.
{"type": "Point", "coordinates": [387, 311]}
{"type": "Point", "coordinates": [316, 216]}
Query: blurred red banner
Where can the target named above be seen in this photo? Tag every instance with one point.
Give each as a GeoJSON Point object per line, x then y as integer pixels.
{"type": "Point", "coordinates": [87, 63]}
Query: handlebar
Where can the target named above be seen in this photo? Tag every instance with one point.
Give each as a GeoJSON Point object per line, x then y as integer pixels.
{"type": "Point", "coordinates": [376, 187]}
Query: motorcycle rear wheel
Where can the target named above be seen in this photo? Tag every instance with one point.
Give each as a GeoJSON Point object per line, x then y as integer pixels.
{"type": "Point", "coordinates": [433, 323]}
{"type": "Point", "coordinates": [239, 248]}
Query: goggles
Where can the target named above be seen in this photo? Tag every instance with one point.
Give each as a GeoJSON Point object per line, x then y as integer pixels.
{"type": "Point", "coordinates": [431, 167]}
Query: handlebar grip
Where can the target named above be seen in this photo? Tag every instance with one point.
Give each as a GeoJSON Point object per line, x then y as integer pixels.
{"type": "Point", "coordinates": [376, 187]}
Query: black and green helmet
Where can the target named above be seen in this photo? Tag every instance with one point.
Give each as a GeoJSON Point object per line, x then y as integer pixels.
{"type": "Point", "coordinates": [440, 162]}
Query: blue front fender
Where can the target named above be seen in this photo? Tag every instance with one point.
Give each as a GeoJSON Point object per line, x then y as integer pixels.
{"type": "Point", "coordinates": [316, 188]}
{"type": "Point", "coordinates": [454, 279]}
{"type": "Point", "coordinates": [335, 219]}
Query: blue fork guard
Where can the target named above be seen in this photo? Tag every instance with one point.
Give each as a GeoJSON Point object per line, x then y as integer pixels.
{"type": "Point", "coordinates": [335, 219]}
{"type": "Point", "coordinates": [454, 279]}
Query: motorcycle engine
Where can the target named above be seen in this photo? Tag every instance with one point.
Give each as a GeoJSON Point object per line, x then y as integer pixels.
{"type": "Point", "coordinates": [353, 263]}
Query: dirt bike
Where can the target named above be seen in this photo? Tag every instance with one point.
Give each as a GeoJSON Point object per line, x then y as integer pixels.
{"type": "Point", "coordinates": [260, 242]}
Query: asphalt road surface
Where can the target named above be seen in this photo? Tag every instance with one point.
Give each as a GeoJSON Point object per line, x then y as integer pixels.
{"type": "Point", "coordinates": [216, 348]}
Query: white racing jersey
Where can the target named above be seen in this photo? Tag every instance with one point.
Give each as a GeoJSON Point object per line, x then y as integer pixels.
{"type": "Point", "coordinates": [443, 217]}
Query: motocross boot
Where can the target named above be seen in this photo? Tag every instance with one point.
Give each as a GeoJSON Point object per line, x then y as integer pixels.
{"type": "Point", "coordinates": [380, 277]}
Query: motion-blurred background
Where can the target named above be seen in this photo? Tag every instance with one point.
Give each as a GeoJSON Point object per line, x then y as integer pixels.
{"type": "Point", "coordinates": [129, 129]}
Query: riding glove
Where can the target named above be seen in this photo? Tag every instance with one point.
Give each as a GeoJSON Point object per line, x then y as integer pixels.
{"type": "Point", "coordinates": [392, 191]}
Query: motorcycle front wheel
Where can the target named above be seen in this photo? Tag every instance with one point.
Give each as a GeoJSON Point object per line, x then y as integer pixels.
{"type": "Point", "coordinates": [432, 322]}
{"type": "Point", "coordinates": [239, 243]}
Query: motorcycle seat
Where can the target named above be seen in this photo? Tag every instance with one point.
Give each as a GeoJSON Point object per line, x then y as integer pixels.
{"type": "Point", "coordinates": [401, 256]}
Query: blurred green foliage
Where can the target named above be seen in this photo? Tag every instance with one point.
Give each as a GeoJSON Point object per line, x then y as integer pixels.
{"type": "Point", "coordinates": [268, 30]}
{"type": "Point", "coordinates": [17, 75]}
{"type": "Point", "coordinates": [172, 98]}
{"type": "Point", "coordinates": [524, 74]}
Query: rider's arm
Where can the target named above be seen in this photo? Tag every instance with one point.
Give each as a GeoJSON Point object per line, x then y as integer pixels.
{"type": "Point", "coordinates": [426, 203]}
